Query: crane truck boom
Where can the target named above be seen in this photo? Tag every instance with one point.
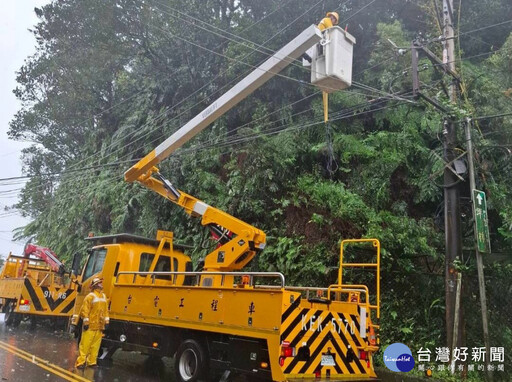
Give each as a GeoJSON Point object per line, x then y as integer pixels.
{"type": "Point", "coordinates": [45, 254]}
{"type": "Point", "coordinates": [237, 251]}
{"type": "Point", "coordinates": [34, 286]}
{"type": "Point", "coordinates": [218, 320]}
{"type": "Point", "coordinates": [259, 76]}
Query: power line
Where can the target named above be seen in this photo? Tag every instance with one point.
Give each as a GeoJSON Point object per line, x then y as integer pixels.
{"type": "Point", "coordinates": [179, 103]}
{"type": "Point", "coordinates": [483, 28]}
{"type": "Point", "coordinates": [253, 66]}
{"type": "Point", "coordinates": [345, 114]}
{"type": "Point", "coordinates": [367, 5]}
{"type": "Point", "coordinates": [182, 101]}
{"type": "Point", "coordinates": [491, 116]}
{"type": "Point", "coordinates": [353, 15]}
{"type": "Point", "coordinates": [163, 113]}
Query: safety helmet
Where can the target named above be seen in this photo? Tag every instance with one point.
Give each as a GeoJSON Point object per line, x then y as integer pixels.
{"type": "Point", "coordinates": [336, 16]}
{"type": "Point", "coordinates": [96, 281]}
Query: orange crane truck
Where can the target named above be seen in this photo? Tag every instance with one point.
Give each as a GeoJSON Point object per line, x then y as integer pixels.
{"type": "Point", "coordinates": [220, 319]}
{"type": "Point", "coordinates": [34, 286]}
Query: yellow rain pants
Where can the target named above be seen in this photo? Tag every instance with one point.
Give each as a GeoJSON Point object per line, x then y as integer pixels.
{"type": "Point", "coordinates": [89, 347]}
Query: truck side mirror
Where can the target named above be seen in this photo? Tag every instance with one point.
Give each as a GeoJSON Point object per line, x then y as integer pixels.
{"type": "Point", "coordinates": [75, 266]}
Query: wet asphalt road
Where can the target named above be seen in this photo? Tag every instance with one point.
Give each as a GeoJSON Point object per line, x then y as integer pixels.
{"type": "Point", "coordinates": [61, 349]}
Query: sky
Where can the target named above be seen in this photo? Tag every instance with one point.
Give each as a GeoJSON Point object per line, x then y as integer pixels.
{"type": "Point", "coordinates": [16, 44]}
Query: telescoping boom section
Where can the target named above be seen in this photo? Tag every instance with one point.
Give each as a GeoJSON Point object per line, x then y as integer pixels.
{"type": "Point", "coordinates": [239, 241]}
{"type": "Point", "coordinates": [227, 101]}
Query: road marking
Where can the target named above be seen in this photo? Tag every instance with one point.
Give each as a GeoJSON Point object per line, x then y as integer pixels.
{"type": "Point", "coordinates": [57, 370]}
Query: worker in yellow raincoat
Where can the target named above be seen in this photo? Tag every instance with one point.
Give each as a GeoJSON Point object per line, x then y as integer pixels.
{"type": "Point", "coordinates": [94, 314]}
{"type": "Point", "coordinates": [330, 20]}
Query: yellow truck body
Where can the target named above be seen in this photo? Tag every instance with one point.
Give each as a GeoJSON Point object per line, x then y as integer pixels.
{"type": "Point", "coordinates": [241, 322]}
{"type": "Point", "coordinates": [29, 288]}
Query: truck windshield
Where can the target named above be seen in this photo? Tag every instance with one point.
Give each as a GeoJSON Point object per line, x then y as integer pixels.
{"type": "Point", "coordinates": [95, 262]}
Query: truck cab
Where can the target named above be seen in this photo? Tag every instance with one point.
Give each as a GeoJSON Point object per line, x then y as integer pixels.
{"type": "Point", "coordinates": [114, 254]}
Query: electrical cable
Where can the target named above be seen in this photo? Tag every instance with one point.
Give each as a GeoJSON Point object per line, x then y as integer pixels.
{"type": "Point", "coordinates": [490, 116]}
{"type": "Point", "coordinates": [271, 37]}
{"type": "Point", "coordinates": [483, 28]}
{"type": "Point", "coordinates": [348, 114]}
{"type": "Point", "coordinates": [278, 74]}
{"type": "Point", "coordinates": [366, 6]}
{"type": "Point", "coordinates": [186, 98]}
{"type": "Point", "coordinates": [215, 79]}
{"type": "Point", "coordinates": [342, 115]}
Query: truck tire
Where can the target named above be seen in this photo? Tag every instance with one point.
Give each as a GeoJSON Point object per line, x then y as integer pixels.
{"type": "Point", "coordinates": [11, 317]}
{"type": "Point", "coordinates": [191, 362]}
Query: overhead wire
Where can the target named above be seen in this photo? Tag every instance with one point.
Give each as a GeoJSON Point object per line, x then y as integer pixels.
{"type": "Point", "coordinates": [291, 24]}
{"type": "Point", "coordinates": [162, 114]}
{"type": "Point", "coordinates": [483, 28]}
{"type": "Point", "coordinates": [253, 66]}
{"type": "Point", "coordinates": [71, 195]}
{"type": "Point", "coordinates": [109, 164]}
{"type": "Point", "coordinates": [343, 21]}
{"type": "Point", "coordinates": [271, 37]}
{"type": "Point", "coordinates": [262, 48]}
{"type": "Point", "coordinates": [149, 132]}
{"type": "Point", "coordinates": [346, 113]}
{"type": "Point", "coordinates": [366, 6]}
{"type": "Point", "coordinates": [218, 76]}
{"type": "Point", "coordinates": [363, 71]}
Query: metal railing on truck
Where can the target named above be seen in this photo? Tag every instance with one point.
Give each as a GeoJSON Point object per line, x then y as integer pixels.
{"type": "Point", "coordinates": [36, 269]}
{"type": "Point", "coordinates": [249, 277]}
{"type": "Point", "coordinates": [370, 308]}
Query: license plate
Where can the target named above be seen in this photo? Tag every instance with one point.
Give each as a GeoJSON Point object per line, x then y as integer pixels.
{"type": "Point", "coordinates": [327, 360]}
{"type": "Point", "coordinates": [24, 308]}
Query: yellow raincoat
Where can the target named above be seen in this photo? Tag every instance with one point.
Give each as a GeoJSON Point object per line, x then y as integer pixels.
{"type": "Point", "coordinates": [94, 310]}
{"type": "Point", "coordinates": [94, 313]}
{"type": "Point", "coordinates": [326, 23]}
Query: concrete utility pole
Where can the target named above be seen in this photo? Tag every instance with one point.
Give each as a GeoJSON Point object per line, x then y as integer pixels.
{"type": "Point", "coordinates": [453, 233]}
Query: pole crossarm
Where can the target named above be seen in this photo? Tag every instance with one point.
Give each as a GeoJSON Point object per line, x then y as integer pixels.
{"type": "Point", "coordinates": [448, 165]}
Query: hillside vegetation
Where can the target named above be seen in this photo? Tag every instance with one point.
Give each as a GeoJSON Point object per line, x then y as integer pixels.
{"type": "Point", "coordinates": [112, 79]}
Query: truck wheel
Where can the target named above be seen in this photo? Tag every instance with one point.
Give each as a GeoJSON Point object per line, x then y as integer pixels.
{"type": "Point", "coordinates": [190, 363]}
{"type": "Point", "coordinates": [11, 317]}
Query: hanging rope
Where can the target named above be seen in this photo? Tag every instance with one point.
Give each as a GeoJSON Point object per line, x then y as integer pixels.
{"type": "Point", "coordinates": [332, 165]}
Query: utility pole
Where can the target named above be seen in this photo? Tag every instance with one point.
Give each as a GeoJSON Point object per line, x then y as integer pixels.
{"type": "Point", "coordinates": [479, 259]}
{"type": "Point", "coordinates": [453, 233]}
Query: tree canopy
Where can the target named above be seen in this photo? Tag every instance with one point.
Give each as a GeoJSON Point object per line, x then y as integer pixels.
{"type": "Point", "coordinates": [111, 80]}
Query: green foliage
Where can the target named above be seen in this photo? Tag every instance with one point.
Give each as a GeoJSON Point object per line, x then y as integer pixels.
{"type": "Point", "coordinates": [111, 81]}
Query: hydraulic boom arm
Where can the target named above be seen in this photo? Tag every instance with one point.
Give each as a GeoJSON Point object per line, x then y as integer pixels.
{"type": "Point", "coordinates": [238, 240]}
{"type": "Point", "coordinates": [45, 254]}
{"type": "Point", "coordinates": [227, 101]}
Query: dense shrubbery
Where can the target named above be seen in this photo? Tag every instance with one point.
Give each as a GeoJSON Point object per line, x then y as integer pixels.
{"type": "Point", "coordinates": [111, 81]}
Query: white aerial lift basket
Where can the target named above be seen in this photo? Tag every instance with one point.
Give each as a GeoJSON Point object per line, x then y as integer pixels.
{"type": "Point", "coordinates": [331, 66]}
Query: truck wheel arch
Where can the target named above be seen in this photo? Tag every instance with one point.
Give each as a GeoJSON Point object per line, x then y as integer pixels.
{"type": "Point", "coordinates": [191, 361]}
